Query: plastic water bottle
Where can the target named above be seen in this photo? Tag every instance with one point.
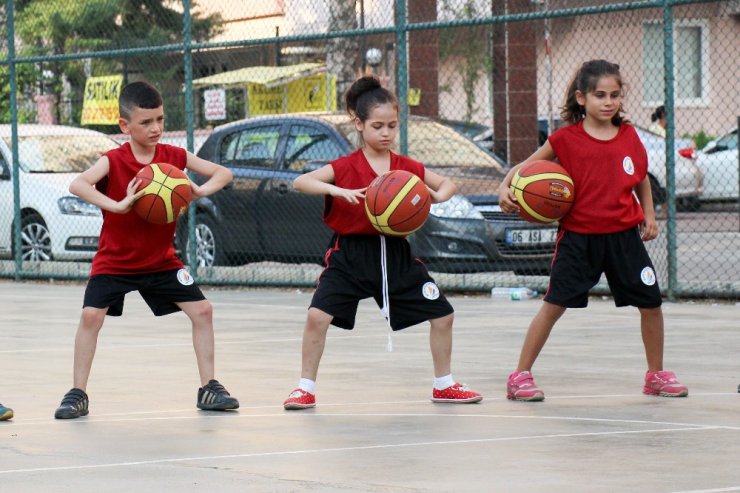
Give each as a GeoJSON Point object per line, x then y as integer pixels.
{"type": "Point", "coordinates": [513, 293]}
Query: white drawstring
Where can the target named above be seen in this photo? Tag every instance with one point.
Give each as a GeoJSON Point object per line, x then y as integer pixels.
{"type": "Point", "coordinates": [386, 309]}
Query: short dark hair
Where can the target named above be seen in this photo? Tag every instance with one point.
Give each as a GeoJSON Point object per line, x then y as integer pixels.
{"type": "Point", "coordinates": [138, 95]}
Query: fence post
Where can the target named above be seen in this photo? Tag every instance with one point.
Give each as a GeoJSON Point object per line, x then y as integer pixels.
{"type": "Point", "coordinates": [191, 247]}
{"type": "Point", "coordinates": [18, 254]}
{"type": "Point", "coordinates": [403, 79]}
{"type": "Point", "coordinates": [670, 153]}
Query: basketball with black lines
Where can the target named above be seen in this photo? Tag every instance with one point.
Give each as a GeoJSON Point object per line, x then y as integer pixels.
{"type": "Point", "coordinates": [397, 203]}
{"type": "Point", "coordinates": [166, 193]}
{"type": "Point", "coordinates": [544, 191]}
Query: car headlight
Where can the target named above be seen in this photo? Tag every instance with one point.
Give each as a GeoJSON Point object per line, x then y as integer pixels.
{"type": "Point", "coordinates": [458, 207]}
{"type": "Point", "coordinates": [75, 206]}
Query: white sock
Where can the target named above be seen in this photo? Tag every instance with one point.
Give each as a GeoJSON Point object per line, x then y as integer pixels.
{"type": "Point", "coordinates": [307, 385]}
{"type": "Point", "coordinates": [441, 383]}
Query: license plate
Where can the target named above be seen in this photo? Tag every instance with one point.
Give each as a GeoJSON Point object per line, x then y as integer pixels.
{"type": "Point", "coordinates": [531, 236]}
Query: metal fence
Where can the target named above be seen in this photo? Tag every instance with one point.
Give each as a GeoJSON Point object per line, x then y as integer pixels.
{"type": "Point", "coordinates": [479, 82]}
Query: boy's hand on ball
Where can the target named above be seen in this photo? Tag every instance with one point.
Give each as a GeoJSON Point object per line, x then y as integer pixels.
{"type": "Point", "coordinates": [195, 192]}
{"type": "Point", "coordinates": [132, 196]}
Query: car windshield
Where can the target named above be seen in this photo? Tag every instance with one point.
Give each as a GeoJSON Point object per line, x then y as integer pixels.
{"type": "Point", "coordinates": [60, 153]}
{"type": "Point", "coordinates": [436, 146]}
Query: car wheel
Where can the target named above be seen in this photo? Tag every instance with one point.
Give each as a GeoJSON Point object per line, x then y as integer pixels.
{"type": "Point", "coordinates": [658, 192]}
{"type": "Point", "coordinates": [208, 243]}
{"type": "Point", "coordinates": [688, 204]}
{"type": "Point", "coordinates": [35, 239]}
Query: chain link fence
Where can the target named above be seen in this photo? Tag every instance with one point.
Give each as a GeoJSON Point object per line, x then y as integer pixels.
{"type": "Point", "coordinates": [257, 87]}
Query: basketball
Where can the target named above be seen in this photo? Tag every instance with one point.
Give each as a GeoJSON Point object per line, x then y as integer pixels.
{"type": "Point", "coordinates": [397, 203]}
{"type": "Point", "coordinates": [544, 190]}
{"type": "Point", "coordinates": [166, 193]}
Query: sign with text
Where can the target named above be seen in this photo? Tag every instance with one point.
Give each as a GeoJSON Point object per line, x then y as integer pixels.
{"type": "Point", "coordinates": [100, 101]}
{"type": "Point", "coordinates": [214, 104]}
{"type": "Point", "coordinates": [305, 94]}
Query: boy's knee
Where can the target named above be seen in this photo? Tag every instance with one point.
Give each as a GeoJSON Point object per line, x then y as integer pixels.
{"type": "Point", "coordinates": [202, 309]}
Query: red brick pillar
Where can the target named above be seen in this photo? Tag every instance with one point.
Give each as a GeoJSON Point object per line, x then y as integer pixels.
{"type": "Point", "coordinates": [515, 83]}
{"type": "Point", "coordinates": [423, 56]}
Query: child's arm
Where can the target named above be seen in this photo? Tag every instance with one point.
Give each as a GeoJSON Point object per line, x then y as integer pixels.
{"type": "Point", "coordinates": [649, 227]}
{"type": "Point", "coordinates": [84, 187]}
{"type": "Point", "coordinates": [321, 182]}
{"type": "Point", "coordinates": [506, 199]}
{"type": "Point", "coordinates": [440, 188]}
{"type": "Point", "coordinates": [218, 176]}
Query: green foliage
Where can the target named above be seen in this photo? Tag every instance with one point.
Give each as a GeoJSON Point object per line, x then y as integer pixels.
{"type": "Point", "coordinates": [469, 44]}
{"type": "Point", "coordinates": [47, 27]}
{"type": "Point", "coordinates": [700, 138]}
{"type": "Point", "coordinates": [25, 76]}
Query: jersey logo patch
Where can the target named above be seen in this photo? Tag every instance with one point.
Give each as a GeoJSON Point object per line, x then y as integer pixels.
{"type": "Point", "coordinates": [430, 291]}
{"type": "Point", "coordinates": [648, 276]}
{"type": "Point", "coordinates": [184, 277]}
{"type": "Point", "coordinates": [628, 165]}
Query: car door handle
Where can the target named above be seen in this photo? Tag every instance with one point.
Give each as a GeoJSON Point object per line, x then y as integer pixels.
{"type": "Point", "coordinates": [282, 188]}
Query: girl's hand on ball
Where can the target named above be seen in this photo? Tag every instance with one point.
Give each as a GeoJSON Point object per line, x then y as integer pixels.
{"type": "Point", "coordinates": [195, 192]}
{"type": "Point", "coordinates": [351, 196]}
{"type": "Point", "coordinates": [506, 200]}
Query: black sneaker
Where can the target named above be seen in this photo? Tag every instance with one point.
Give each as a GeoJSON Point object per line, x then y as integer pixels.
{"type": "Point", "coordinates": [74, 405]}
{"type": "Point", "coordinates": [214, 397]}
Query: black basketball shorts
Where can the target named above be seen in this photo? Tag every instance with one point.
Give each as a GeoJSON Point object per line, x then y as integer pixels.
{"type": "Point", "coordinates": [353, 272]}
{"type": "Point", "coordinates": [580, 260]}
{"type": "Point", "coordinates": [160, 290]}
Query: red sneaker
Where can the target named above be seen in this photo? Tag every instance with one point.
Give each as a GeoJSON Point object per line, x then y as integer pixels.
{"type": "Point", "coordinates": [664, 383]}
{"type": "Point", "coordinates": [457, 394]}
{"type": "Point", "coordinates": [299, 399]}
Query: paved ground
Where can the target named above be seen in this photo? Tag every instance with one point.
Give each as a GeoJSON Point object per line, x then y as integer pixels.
{"type": "Point", "coordinates": [374, 429]}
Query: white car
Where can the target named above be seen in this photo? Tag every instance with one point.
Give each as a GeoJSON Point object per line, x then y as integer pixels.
{"type": "Point", "coordinates": [55, 225]}
{"type": "Point", "coordinates": [689, 178]}
{"type": "Point", "coordinates": [718, 160]}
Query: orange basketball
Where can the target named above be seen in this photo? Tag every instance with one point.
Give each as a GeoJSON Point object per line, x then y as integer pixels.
{"type": "Point", "coordinates": [167, 193]}
{"type": "Point", "coordinates": [544, 190]}
{"type": "Point", "coordinates": [397, 203]}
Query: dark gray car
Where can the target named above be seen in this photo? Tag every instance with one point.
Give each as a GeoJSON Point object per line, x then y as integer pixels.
{"type": "Point", "coordinates": [259, 216]}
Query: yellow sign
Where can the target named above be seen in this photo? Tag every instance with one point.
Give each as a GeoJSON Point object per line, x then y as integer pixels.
{"type": "Point", "coordinates": [305, 94]}
{"type": "Point", "coordinates": [414, 96]}
{"type": "Point", "coordinates": [100, 102]}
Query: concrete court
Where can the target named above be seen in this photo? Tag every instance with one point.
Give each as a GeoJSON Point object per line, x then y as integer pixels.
{"type": "Point", "coordinates": [374, 428]}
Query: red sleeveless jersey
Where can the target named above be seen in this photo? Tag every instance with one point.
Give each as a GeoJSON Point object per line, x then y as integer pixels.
{"type": "Point", "coordinates": [353, 172]}
{"type": "Point", "coordinates": [604, 174]}
{"type": "Point", "coordinates": [128, 244]}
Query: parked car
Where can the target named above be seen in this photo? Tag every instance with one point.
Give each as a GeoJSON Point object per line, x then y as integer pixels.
{"type": "Point", "coordinates": [482, 135]}
{"type": "Point", "coordinates": [259, 216]}
{"type": "Point", "coordinates": [718, 160]}
{"type": "Point", "coordinates": [55, 225]}
{"type": "Point", "coordinates": [689, 178]}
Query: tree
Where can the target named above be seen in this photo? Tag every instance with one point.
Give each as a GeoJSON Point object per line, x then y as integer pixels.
{"type": "Point", "coordinates": [62, 27]}
{"type": "Point", "coordinates": [341, 53]}
{"type": "Point", "coordinates": [471, 44]}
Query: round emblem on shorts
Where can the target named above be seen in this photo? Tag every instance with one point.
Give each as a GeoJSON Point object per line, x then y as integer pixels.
{"type": "Point", "coordinates": [184, 277]}
{"type": "Point", "coordinates": [430, 291]}
{"type": "Point", "coordinates": [628, 165]}
{"type": "Point", "coordinates": [648, 276]}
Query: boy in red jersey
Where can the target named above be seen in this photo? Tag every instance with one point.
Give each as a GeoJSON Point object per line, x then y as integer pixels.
{"type": "Point", "coordinates": [605, 229]}
{"type": "Point", "coordinates": [361, 263]}
{"type": "Point", "coordinates": [138, 256]}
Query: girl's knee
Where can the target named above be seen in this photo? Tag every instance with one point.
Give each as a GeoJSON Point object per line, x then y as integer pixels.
{"type": "Point", "coordinates": [92, 318]}
{"type": "Point", "coordinates": [443, 323]}
{"type": "Point", "coordinates": [200, 310]}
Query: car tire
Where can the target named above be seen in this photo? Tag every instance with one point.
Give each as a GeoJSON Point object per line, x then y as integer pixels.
{"type": "Point", "coordinates": [688, 204]}
{"type": "Point", "coordinates": [658, 192]}
{"type": "Point", "coordinates": [209, 244]}
{"type": "Point", "coordinates": [35, 239]}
